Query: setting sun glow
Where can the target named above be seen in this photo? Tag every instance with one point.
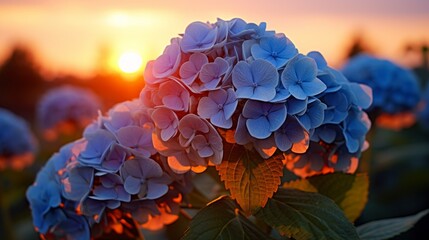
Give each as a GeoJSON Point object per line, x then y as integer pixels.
{"type": "Point", "coordinates": [130, 62]}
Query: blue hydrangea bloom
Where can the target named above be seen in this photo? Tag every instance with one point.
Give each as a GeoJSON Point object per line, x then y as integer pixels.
{"type": "Point", "coordinates": [66, 104]}
{"type": "Point", "coordinates": [257, 80]}
{"type": "Point", "coordinates": [277, 50]}
{"type": "Point", "coordinates": [17, 142]}
{"type": "Point", "coordinates": [395, 88]}
{"type": "Point", "coordinates": [300, 78]}
{"type": "Point", "coordinates": [313, 116]}
{"type": "Point", "coordinates": [263, 118]}
{"type": "Point", "coordinates": [111, 188]}
{"type": "Point", "coordinates": [97, 145]}
{"type": "Point", "coordinates": [289, 133]}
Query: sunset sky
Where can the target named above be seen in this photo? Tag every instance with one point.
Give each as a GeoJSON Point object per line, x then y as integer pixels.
{"type": "Point", "coordinates": [71, 36]}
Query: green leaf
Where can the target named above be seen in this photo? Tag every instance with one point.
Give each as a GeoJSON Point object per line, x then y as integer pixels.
{"type": "Point", "coordinates": [250, 179]}
{"type": "Point", "coordinates": [306, 215]}
{"type": "Point", "coordinates": [222, 219]}
{"type": "Point", "coordinates": [388, 228]}
{"type": "Point", "coordinates": [349, 191]}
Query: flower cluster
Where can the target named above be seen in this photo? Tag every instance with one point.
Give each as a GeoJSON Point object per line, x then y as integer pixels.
{"type": "Point", "coordinates": [233, 78]}
{"type": "Point", "coordinates": [65, 109]}
{"type": "Point", "coordinates": [17, 142]}
{"type": "Point", "coordinates": [111, 174]}
{"type": "Point", "coordinates": [396, 89]}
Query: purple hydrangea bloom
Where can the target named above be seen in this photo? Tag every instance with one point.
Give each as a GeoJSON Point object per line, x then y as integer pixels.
{"type": "Point", "coordinates": [167, 121]}
{"type": "Point", "coordinates": [168, 62]}
{"type": "Point", "coordinates": [143, 177]}
{"type": "Point", "coordinates": [219, 106]}
{"type": "Point", "coordinates": [174, 96]}
{"type": "Point", "coordinates": [212, 73]}
{"type": "Point", "coordinates": [66, 104]}
{"type": "Point", "coordinates": [189, 70]}
{"type": "Point", "coordinates": [198, 37]}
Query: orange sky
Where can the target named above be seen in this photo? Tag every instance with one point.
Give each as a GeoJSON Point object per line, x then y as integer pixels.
{"type": "Point", "coordinates": [68, 35]}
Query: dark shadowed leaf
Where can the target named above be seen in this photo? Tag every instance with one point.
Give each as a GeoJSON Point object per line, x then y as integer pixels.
{"type": "Point", "coordinates": [306, 215]}
{"type": "Point", "coordinates": [387, 228]}
{"type": "Point", "coordinates": [222, 219]}
{"type": "Point", "coordinates": [349, 191]}
{"type": "Point", "coordinates": [250, 178]}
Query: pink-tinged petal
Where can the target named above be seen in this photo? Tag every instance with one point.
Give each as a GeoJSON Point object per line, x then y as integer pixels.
{"type": "Point", "coordinates": [190, 124]}
{"type": "Point", "coordinates": [179, 165]}
{"type": "Point", "coordinates": [207, 107]}
{"type": "Point", "coordinates": [168, 62]}
{"type": "Point", "coordinates": [168, 133]}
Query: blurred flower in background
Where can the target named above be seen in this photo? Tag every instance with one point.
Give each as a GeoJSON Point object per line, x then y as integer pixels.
{"type": "Point", "coordinates": [396, 90]}
{"type": "Point", "coordinates": [17, 142]}
{"type": "Point", "coordinates": [65, 110]}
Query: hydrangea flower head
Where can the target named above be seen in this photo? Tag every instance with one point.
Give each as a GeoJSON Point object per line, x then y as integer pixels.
{"type": "Point", "coordinates": [17, 142]}
{"type": "Point", "coordinates": [238, 79]}
{"type": "Point", "coordinates": [111, 168]}
{"type": "Point", "coordinates": [396, 89]}
{"type": "Point", "coordinates": [65, 109]}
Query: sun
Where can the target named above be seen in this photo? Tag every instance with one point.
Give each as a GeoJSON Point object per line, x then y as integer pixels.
{"type": "Point", "coordinates": [130, 62]}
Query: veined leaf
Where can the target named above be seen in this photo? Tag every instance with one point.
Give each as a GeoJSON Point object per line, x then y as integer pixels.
{"type": "Point", "coordinates": [306, 215]}
{"type": "Point", "coordinates": [222, 219]}
{"type": "Point", "coordinates": [250, 178]}
{"type": "Point", "coordinates": [349, 191]}
{"type": "Point", "coordinates": [388, 228]}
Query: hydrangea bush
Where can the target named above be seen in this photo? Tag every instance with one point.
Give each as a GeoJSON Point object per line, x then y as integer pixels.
{"type": "Point", "coordinates": [231, 95]}
{"type": "Point", "coordinates": [393, 104]}
{"type": "Point", "coordinates": [65, 109]}
{"type": "Point", "coordinates": [19, 152]}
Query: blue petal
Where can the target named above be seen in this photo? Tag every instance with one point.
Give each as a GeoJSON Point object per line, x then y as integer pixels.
{"type": "Point", "coordinates": [259, 128]}
{"type": "Point", "coordinates": [314, 87]}
{"type": "Point", "coordinates": [156, 190]}
{"type": "Point", "coordinates": [132, 185]}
